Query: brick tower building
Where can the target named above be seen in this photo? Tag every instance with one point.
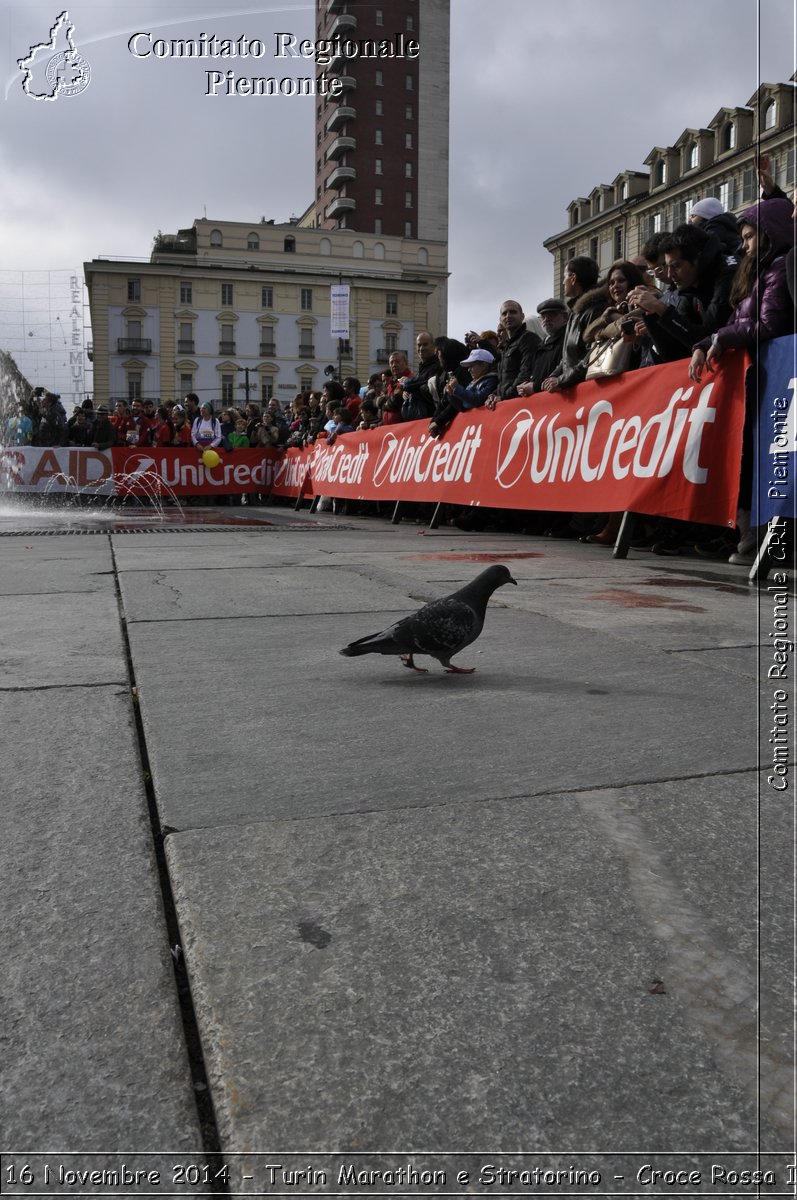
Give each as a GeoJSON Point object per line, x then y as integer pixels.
{"type": "Point", "coordinates": [382, 144]}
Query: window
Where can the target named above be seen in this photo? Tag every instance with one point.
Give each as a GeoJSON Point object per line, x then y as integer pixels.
{"type": "Point", "coordinates": [227, 344]}
{"type": "Point", "coordinates": [729, 136]}
{"type": "Point", "coordinates": [749, 188]}
{"type": "Point", "coordinates": [289, 245]}
{"type": "Point", "coordinates": [226, 295]}
{"type": "Point", "coordinates": [268, 346]}
{"type": "Point", "coordinates": [723, 193]}
{"type": "Point", "coordinates": [134, 331]}
{"type": "Point", "coordinates": [410, 24]}
{"type": "Point", "coordinates": [379, 17]}
{"type": "Point", "coordinates": [306, 343]}
{"type": "Point", "coordinates": [377, 166]}
{"type": "Point", "coordinates": [134, 385]}
{"type": "Point", "coordinates": [693, 156]}
{"type": "Point", "coordinates": [227, 389]}
{"type": "Point", "coordinates": [660, 174]}
{"type": "Point", "coordinates": [253, 242]}
{"type": "Point", "coordinates": [215, 237]}
{"type": "Point", "coordinates": [134, 289]}
{"type": "Point", "coordinates": [380, 79]}
{"type": "Point", "coordinates": [378, 197]}
{"type": "Point", "coordinates": [593, 248]}
{"type": "Point", "coordinates": [267, 297]}
{"type": "Point", "coordinates": [391, 342]}
{"type": "Point", "coordinates": [186, 383]}
{"type": "Point", "coordinates": [408, 199]}
{"type": "Point", "coordinates": [770, 115]}
{"type": "Point", "coordinates": [307, 299]}
{"type": "Point", "coordinates": [378, 226]}
{"type": "Point", "coordinates": [391, 304]}
{"type": "Point", "coordinates": [408, 170]}
{"type": "Point", "coordinates": [378, 137]}
{"type": "Point", "coordinates": [186, 293]}
{"type": "Point", "coordinates": [379, 251]}
{"type": "Point", "coordinates": [618, 241]}
{"type": "Point", "coordinates": [408, 83]}
{"type": "Point", "coordinates": [407, 141]}
{"type": "Point", "coordinates": [306, 383]}
{"type": "Point", "coordinates": [185, 338]}
{"type": "Point", "coordinates": [680, 212]}
{"type": "Point", "coordinates": [408, 113]}
{"type": "Point", "coordinates": [358, 250]}
{"type": "Point", "coordinates": [380, 108]}
{"type": "Point", "coordinates": [408, 229]}
{"type": "Point", "coordinates": [266, 390]}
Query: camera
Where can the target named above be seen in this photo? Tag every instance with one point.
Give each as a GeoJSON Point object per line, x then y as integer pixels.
{"type": "Point", "coordinates": [627, 325]}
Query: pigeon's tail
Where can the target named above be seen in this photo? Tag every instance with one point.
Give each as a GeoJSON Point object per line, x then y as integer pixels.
{"type": "Point", "coordinates": [375, 643]}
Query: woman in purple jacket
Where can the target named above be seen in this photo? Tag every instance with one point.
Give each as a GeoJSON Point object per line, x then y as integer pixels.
{"type": "Point", "coordinates": [762, 310]}
{"type": "Point", "coordinates": [760, 298]}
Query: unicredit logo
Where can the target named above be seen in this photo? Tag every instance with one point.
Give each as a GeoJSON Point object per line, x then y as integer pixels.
{"type": "Point", "coordinates": [386, 453]}
{"type": "Point", "coordinates": [139, 464]}
{"type": "Point", "coordinates": [514, 448]}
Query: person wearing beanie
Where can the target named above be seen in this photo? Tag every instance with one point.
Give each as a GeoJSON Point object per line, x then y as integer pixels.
{"type": "Point", "coordinates": [711, 217]}
{"type": "Point", "coordinates": [206, 429]}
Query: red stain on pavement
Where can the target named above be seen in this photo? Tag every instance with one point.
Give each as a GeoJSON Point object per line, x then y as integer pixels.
{"type": "Point", "coordinates": [488, 558]}
{"type": "Point", "coordinates": [634, 600]}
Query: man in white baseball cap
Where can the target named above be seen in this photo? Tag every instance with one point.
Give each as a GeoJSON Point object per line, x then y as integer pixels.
{"type": "Point", "coordinates": [483, 382]}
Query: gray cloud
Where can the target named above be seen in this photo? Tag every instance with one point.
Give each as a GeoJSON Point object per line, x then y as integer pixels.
{"type": "Point", "coordinates": [546, 102]}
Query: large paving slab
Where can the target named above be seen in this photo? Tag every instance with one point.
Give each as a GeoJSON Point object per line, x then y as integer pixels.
{"type": "Point", "coordinates": [57, 639]}
{"type": "Point", "coordinates": [257, 590]}
{"type": "Point", "coordinates": [279, 725]}
{"type": "Point", "coordinates": [93, 1055]}
{"type": "Point", "coordinates": [54, 565]}
{"type": "Point", "coordinates": [543, 973]}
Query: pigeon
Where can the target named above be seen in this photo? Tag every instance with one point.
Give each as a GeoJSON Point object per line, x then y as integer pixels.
{"type": "Point", "coordinates": [440, 629]}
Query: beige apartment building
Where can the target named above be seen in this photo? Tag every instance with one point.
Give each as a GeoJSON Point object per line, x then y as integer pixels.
{"type": "Point", "coordinates": [236, 311]}
{"type": "Point", "coordinates": [616, 219]}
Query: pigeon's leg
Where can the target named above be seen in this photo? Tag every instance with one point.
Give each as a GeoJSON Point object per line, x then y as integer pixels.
{"type": "Point", "coordinates": [407, 660]}
{"type": "Point", "coordinates": [458, 670]}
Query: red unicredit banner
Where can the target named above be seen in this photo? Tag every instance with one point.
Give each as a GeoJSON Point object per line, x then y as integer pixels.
{"type": "Point", "coordinates": [649, 441]}
{"type": "Point", "coordinates": [150, 472]}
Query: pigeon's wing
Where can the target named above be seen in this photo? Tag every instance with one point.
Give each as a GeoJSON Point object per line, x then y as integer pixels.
{"type": "Point", "coordinates": [439, 629]}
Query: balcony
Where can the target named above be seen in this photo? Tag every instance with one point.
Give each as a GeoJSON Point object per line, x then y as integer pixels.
{"type": "Point", "coordinates": [134, 345]}
{"type": "Point", "coordinates": [336, 6]}
{"type": "Point", "coordinates": [344, 24]}
{"type": "Point", "coordinates": [340, 176]}
{"type": "Point", "coordinates": [340, 146]}
{"type": "Point", "coordinates": [307, 351]}
{"type": "Point", "coordinates": [347, 83]}
{"type": "Point", "coordinates": [339, 206]}
{"type": "Point", "coordinates": [226, 347]}
{"type": "Point", "coordinates": [340, 116]}
{"type": "Point", "coordinates": [267, 349]}
{"type": "Point", "coordinates": [185, 345]}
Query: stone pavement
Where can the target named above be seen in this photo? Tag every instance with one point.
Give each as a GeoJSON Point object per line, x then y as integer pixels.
{"type": "Point", "coordinates": [510, 912]}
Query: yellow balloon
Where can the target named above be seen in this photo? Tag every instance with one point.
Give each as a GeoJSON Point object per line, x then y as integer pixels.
{"type": "Point", "coordinates": [210, 458]}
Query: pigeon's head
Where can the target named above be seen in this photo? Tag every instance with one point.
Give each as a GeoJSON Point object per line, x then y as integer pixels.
{"type": "Point", "coordinates": [496, 576]}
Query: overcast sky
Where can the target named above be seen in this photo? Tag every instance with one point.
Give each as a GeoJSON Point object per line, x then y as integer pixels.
{"type": "Point", "coordinates": [547, 100]}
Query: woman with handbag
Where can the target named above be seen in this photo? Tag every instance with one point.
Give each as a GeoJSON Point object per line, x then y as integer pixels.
{"type": "Point", "coordinates": [612, 349]}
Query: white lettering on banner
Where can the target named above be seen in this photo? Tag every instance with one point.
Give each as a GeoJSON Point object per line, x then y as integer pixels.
{"type": "Point", "coordinates": [556, 453]}
{"type": "Point", "coordinates": [400, 461]}
{"type": "Point", "coordinates": [338, 466]}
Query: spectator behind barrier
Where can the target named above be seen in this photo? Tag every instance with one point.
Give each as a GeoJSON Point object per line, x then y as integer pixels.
{"type": "Point", "coordinates": [702, 276]}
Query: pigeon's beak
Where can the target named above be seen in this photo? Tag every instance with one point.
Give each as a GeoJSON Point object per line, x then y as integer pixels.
{"type": "Point", "coordinates": [511, 580]}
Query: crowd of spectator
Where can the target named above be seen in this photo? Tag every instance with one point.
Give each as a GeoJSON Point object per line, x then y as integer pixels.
{"type": "Point", "coordinates": [714, 283]}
